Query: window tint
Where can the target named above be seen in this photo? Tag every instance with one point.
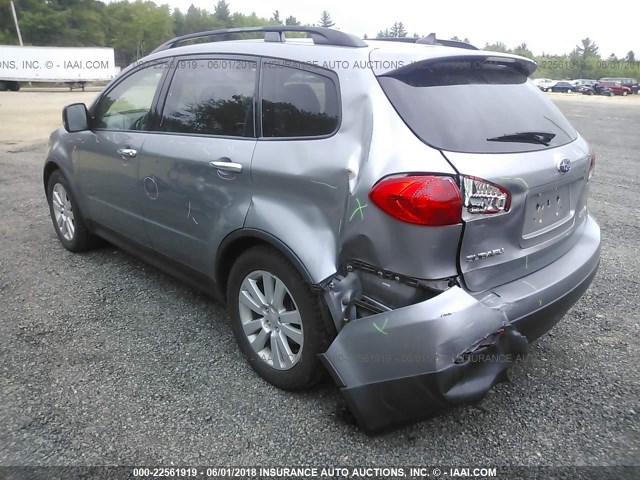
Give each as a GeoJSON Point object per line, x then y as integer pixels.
{"type": "Point", "coordinates": [297, 103]}
{"type": "Point", "coordinates": [128, 105]}
{"type": "Point", "coordinates": [461, 105]}
{"type": "Point", "coordinates": [212, 97]}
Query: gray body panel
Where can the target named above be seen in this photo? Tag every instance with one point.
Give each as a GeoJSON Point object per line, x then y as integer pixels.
{"type": "Point", "coordinates": [110, 182]}
{"type": "Point", "coordinates": [197, 205]}
{"type": "Point", "coordinates": [525, 175]}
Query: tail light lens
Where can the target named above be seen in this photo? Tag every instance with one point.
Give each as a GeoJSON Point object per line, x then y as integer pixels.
{"type": "Point", "coordinates": [592, 165]}
{"type": "Point", "coordinates": [424, 200]}
{"type": "Point", "coordinates": [483, 197]}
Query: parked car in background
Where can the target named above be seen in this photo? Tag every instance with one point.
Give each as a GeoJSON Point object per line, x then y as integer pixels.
{"type": "Point", "coordinates": [544, 83]}
{"type": "Point", "coordinates": [564, 87]}
{"type": "Point", "coordinates": [631, 83]}
{"type": "Point", "coordinates": [583, 82]}
{"type": "Point", "coordinates": [616, 87]}
{"type": "Point", "coordinates": [595, 90]}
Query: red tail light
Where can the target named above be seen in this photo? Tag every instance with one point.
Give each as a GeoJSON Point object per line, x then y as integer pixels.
{"type": "Point", "coordinates": [425, 200]}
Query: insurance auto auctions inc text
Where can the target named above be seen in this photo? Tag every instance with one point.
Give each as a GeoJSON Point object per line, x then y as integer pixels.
{"type": "Point", "coordinates": [368, 472]}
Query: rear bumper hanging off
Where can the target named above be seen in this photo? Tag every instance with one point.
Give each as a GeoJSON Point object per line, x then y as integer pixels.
{"type": "Point", "coordinates": [408, 364]}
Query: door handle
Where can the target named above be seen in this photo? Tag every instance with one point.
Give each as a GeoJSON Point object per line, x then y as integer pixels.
{"type": "Point", "coordinates": [226, 165]}
{"type": "Point", "coordinates": [127, 152]}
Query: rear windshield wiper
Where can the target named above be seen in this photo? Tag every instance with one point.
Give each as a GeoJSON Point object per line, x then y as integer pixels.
{"type": "Point", "coordinates": [543, 138]}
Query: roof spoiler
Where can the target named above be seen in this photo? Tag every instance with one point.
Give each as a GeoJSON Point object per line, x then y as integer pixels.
{"type": "Point", "coordinates": [431, 40]}
{"type": "Point", "coordinates": [524, 65]}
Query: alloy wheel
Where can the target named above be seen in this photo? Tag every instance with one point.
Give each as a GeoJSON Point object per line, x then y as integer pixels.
{"type": "Point", "coordinates": [63, 211]}
{"type": "Point", "coordinates": [271, 320]}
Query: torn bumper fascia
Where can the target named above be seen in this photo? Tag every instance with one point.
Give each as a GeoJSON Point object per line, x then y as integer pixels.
{"type": "Point", "coordinates": [408, 364]}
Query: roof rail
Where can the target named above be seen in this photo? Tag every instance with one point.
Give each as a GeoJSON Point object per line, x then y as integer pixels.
{"type": "Point", "coordinates": [275, 33]}
{"type": "Point", "coordinates": [430, 40]}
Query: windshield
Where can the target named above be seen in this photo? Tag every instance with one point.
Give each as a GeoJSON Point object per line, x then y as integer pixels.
{"type": "Point", "coordinates": [462, 106]}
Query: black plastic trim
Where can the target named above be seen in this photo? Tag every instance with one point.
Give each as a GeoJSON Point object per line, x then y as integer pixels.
{"type": "Point", "coordinates": [246, 233]}
{"type": "Point", "coordinates": [191, 277]}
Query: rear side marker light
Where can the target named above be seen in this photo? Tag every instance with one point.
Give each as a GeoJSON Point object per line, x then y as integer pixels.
{"type": "Point", "coordinates": [432, 200]}
{"type": "Point", "coordinates": [592, 165]}
{"type": "Point", "coordinates": [483, 197]}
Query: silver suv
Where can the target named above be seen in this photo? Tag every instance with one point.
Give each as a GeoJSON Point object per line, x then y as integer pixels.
{"type": "Point", "coordinates": [407, 216]}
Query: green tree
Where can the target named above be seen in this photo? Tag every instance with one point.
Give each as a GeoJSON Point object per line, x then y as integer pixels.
{"type": "Point", "coordinates": [583, 56]}
{"type": "Point", "coordinates": [523, 51]}
{"type": "Point", "coordinates": [325, 20]}
{"type": "Point", "coordinates": [497, 47]}
{"type": "Point", "coordinates": [291, 20]}
{"type": "Point", "coordinates": [587, 48]}
{"type": "Point", "coordinates": [222, 14]}
{"type": "Point", "coordinates": [135, 29]}
{"type": "Point", "coordinates": [177, 17]}
{"type": "Point", "coordinates": [276, 17]}
{"type": "Point", "coordinates": [398, 30]}
{"type": "Point", "coordinates": [630, 57]}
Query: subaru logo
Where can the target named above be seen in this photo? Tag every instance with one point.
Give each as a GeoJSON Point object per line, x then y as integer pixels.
{"type": "Point", "coordinates": [564, 165]}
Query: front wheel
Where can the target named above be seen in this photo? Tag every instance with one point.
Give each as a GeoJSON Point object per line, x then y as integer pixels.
{"type": "Point", "coordinates": [277, 319]}
{"type": "Point", "coordinates": [70, 228]}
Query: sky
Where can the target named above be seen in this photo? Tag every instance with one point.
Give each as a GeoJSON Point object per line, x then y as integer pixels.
{"type": "Point", "coordinates": [545, 26]}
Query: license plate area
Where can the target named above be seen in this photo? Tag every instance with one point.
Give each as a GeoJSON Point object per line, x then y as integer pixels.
{"type": "Point", "coordinates": [547, 210]}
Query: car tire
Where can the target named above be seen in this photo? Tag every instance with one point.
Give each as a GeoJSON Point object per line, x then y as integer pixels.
{"type": "Point", "coordinates": [624, 94]}
{"type": "Point", "coordinates": [275, 323]}
{"type": "Point", "coordinates": [568, 90]}
{"type": "Point", "coordinates": [65, 215]}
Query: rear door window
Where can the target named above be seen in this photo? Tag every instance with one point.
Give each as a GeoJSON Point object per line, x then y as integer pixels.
{"type": "Point", "coordinates": [297, 103]}
{"type": "Point", "coordinates": [460, 106]}
{"type": "Point", "coordinates": [211, 97]}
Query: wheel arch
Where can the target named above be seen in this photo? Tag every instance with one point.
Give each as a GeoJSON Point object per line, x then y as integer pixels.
{"type": "Point", "coordinates": [50, 167]}
{"type": "Point", "coordinates": [239, 241]}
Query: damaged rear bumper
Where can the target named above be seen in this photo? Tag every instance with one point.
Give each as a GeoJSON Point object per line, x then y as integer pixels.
{"type": "Point", "coordinates": [408, 364]}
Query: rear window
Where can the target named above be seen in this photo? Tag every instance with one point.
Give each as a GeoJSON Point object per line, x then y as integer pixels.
{"type": "Point", "coordinates": [297, 103]}
{"type": "Point", "coordinates": [459, 105]}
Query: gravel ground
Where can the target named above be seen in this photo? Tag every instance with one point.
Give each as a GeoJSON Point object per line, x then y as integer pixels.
{"type": "Point", "coordinates": [104, 360]}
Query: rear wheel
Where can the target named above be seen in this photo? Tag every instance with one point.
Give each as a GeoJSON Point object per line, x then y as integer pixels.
{"type": "Point", "coordinates": [624, 94]}
{"type": "Point", "coordinates": [70, 228]}
{"type": "Point", "coordinates": [277, 319]}
{"type": "Point", "coordinates": [14, 86]}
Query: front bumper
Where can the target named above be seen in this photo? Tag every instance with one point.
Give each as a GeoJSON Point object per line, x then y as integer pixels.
{"type": "Point", "coordinates": [408, 364]}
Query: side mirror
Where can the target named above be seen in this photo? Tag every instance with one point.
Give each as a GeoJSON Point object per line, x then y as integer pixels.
{"type": "Point", "coordinates": [75, 117]}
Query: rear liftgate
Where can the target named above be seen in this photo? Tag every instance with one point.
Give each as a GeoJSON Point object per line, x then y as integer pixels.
{"type": "Point", "coordinates": [397, 366]}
